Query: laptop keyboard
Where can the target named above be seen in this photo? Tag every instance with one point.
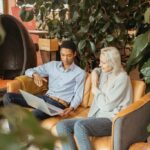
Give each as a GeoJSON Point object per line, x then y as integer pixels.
{"type": "Point", "coordinates": [52, 111]}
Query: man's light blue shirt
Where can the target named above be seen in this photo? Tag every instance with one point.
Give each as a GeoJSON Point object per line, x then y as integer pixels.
{"type": "Point", "coordinates": [64, 84]}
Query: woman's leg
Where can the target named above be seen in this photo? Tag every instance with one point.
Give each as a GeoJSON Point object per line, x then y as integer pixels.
{"type": "Point", "coordinates": [65, 128]}
{"type": "Point", "coordinates": [91, 127]}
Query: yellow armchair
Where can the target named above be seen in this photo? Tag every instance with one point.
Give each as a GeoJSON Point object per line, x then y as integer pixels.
{"type": "Point", "coordinates": [126, 124]}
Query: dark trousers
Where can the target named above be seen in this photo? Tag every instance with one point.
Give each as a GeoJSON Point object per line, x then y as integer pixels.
{"type": "Point", "coordinates": [18, 99]}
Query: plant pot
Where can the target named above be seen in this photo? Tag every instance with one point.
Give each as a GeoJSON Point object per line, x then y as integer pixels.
{"type": "Point", "coordinates": [48, 49]}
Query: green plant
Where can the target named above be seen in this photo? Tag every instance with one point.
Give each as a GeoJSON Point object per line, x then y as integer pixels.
{"type": "Point", "coordinates": [141, 52]}
{"type": "Point", "coordinates": [25, 131]}
{"type": "Point", "coordinates": [148, 128]}
{"type": "Point", "coordinates": [92, 24]}
{"type": "Point", "coordinates": [2, 33]}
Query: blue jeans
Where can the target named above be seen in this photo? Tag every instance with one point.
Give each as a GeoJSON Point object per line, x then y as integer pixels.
{"type": "Point", "coordinates": [82, 129]}
{"type": "Point", "coordinates": [18, 99]}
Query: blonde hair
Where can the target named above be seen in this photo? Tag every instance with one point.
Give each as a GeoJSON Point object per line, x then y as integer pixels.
{"type": "Point", "coordinates": [113, 58]}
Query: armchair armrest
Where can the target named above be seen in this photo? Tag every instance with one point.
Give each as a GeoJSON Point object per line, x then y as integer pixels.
{"type": "Point", "coordinates": [25, 83]}
{"type": "Point", "coordinates": [13, 86]}
{"type": "Point", "coordinates": [129, 125]}
{"type": "Point", "coordinates": [140, 146]}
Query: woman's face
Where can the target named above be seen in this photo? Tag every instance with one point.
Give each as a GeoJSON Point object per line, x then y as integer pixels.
{"type": "Point", "coordinates": [104, 64]}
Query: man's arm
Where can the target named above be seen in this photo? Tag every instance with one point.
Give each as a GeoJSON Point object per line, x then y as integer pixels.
{"type": "Point", "coordinates": [38, 80]}
{"type": "Point", "coordinates": [79, 88]}
{"type": "Point", "coordinates": [38, 74]}
{"type": "Point", "coordinates": [41, 70]}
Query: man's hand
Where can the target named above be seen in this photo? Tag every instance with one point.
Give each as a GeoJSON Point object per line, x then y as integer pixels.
{"type": "Point", "coordinates": [38, 80]}
{"type": "Point", "coordinates": [66, 111]}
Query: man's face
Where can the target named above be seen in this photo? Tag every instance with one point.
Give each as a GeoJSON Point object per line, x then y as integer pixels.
{"type": "Point", "coordinates": [67, 56]}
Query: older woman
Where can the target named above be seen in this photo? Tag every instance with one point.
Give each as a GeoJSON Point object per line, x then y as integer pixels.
{"type": "Point", "coordinates": [112, 91]}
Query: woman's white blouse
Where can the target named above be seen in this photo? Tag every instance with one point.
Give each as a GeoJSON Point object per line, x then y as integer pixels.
{"type": "Point", "coordinates": [110, 98]}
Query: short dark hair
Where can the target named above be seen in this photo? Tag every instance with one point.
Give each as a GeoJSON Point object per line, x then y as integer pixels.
{"type": "Point", "coordinates": [69, 44]}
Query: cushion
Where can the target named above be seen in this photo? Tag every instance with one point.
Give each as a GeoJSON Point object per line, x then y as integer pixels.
{"type": "Point", "coordinates": [28, 85]}
{"type": "Point", "coordinates": [140, 146]}
{"type": "Point", "coordinates": [87, 89]}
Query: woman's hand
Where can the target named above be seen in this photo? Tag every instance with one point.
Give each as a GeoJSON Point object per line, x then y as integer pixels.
{"type": "Point", "coordinates": [38, 80]}
{"type": "Point", "coordinates": [94, 90]}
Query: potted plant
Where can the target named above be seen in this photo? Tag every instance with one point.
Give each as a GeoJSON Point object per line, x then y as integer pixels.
{"type": "Point", "coordinates": [92, 24]}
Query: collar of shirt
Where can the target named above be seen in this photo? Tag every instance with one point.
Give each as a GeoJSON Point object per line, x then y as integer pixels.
{"type": "Point", "coordinates": [60, 66]}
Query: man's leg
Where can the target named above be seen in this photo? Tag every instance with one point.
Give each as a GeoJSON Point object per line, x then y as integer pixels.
{"type": "Point", "coordinates": [91, 127]}
{"type": "Point", "coordinates": [14, 98]}
{"type": "Point", "coordinates": [41, 115]}
{"type": "Point", "coordinates": [65, 128]}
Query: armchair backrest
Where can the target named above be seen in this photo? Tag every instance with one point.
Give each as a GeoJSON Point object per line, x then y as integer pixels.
{"type": "Point", "coordinates": [139, 87]}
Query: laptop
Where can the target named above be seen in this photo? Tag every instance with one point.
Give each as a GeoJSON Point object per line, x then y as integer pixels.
{"type": "Point", "coordinates": [39, 103]}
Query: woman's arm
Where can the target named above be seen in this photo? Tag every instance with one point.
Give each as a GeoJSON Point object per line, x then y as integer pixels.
{"type": "Point", "coordinates": [118, 91]}
{"type": "Point", "coordinates": [95, 79]}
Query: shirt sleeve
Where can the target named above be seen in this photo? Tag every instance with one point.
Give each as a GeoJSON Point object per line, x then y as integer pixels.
{"type": "Point", "coordinates": [79, 88]}
{"type": "Point", "coordinates": [42, 70]}
{"type": "Point", "coordinates": [111, 99]}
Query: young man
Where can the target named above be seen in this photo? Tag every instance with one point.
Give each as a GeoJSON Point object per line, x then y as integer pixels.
{"type": "Point", "coordinates": [65, 82]}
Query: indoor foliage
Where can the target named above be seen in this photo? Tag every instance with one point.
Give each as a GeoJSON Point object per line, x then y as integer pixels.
{"type": "Point", "coordinates": [25, 131]}
{"type": "Point", "coordinates": [93, 24]}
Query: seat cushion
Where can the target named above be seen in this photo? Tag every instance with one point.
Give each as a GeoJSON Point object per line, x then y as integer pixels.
{"type": "Point", "coordinates": [3, 84]}
{"type": "Point", "coordinates": [140, 146]}
{"type": "Point", "coordinates": [27, 84]}
{"type": "Point", "coordinates": [52, 121]}
{"type": "Point", "coordinates": [102, 143]}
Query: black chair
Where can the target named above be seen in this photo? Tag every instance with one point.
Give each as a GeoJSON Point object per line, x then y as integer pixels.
{"type": "Point", "coordinates": [17, 53]}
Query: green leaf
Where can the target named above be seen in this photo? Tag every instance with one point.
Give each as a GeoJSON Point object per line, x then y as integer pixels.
{"type": "Point", "coordinates": [81, 45]}
{"type": "Point", "coordinates": [140, 44]}
{"type": "Point", "coordinates": [117, 19]}
{"type": "Point", "coordinates": [75, 16]}
{"type": "Point", "coordinates": [13, 143]}
{"type": "Point", "coordinates": [105, 27]}
{"type": "Point", "coordinates": [145, 70]}
{"type": "Point", "coordinates": [147, 80]}
{"type": "Point", "coordinates": [30, 1]}
{"type": "Point", "coordinates": [91, 19]}
{"type": "Point", "coordinates": [24, 125]}
{"type": "Point", "coordinates": [92, 45]}
{"type": "Point", "coordinates": [109, 38]}
{"type": "Point", "coordinates": [148, 128]}
{"type": "Point", "coordinates": [147, 16]}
